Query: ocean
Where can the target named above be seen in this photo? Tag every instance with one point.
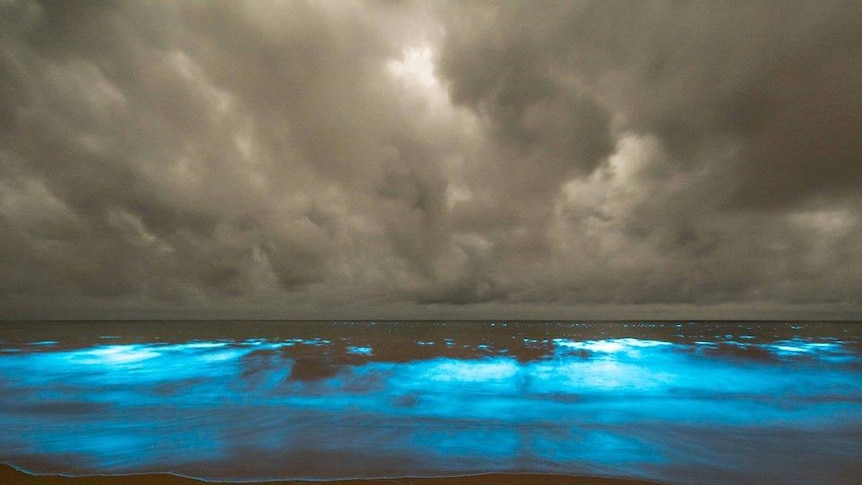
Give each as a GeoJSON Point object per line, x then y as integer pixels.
{"type": "Point", "coordinates": [670, 402]}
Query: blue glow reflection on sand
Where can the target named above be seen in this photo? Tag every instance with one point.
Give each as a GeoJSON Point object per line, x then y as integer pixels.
{"type": "Point", "coordinates": [626, 406]}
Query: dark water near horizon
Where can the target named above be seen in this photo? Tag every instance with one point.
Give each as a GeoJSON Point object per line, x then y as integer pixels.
{"type": "Point", "coordinates": [674, 402]}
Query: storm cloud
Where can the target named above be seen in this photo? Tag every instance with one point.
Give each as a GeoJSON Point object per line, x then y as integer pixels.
{"type": "Point", "coordinates": [395, 159]}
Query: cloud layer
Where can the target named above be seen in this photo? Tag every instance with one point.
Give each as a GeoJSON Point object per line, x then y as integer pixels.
{"type": "Point", "coordinates": [399, 159]}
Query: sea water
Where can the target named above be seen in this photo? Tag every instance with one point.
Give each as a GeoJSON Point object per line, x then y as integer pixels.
{"type": "Point", "coordinates": [672, 402]}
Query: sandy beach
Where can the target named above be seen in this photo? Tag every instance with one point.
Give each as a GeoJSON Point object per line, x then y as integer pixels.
{"type": "Point", "coordinates": [12, 476]}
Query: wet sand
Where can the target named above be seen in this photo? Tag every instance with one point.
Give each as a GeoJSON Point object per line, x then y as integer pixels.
{"type": "Point", "coordinates": [12, 476]}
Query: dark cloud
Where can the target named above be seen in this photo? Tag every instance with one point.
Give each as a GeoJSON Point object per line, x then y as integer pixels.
{"type": "Point", "coordinates": [405, 159]}
{"type": "Point", "coordinates": [737, 120]}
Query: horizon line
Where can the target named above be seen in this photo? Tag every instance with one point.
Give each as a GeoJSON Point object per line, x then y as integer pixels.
{"type": "Point", "coordinates": [422, 320]}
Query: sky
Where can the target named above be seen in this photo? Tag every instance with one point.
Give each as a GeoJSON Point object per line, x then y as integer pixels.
{"type": "Point", "coordinates": [430, 159]}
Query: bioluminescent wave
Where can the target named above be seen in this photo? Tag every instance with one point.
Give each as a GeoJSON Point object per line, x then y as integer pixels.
{"type": "Point", "coordinates": [670, 402]}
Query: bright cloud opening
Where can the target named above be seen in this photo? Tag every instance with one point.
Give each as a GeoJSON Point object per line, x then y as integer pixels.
{"type": "Point", "coordinates": [416, 66]}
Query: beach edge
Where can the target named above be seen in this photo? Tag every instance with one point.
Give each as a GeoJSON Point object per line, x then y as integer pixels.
{"type": "Point", "coordinates": [11, 475]}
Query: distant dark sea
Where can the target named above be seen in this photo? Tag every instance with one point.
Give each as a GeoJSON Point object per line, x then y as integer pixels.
{"type": "Point", "coordinates": [672, 402]}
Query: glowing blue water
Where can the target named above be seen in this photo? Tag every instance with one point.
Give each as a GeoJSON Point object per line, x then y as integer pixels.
{"type": "Point", "coordinates": [677, 403]}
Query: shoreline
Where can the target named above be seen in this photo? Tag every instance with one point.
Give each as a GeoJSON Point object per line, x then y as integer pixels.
{"type": "Point", "coordinates": [11, 475]}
